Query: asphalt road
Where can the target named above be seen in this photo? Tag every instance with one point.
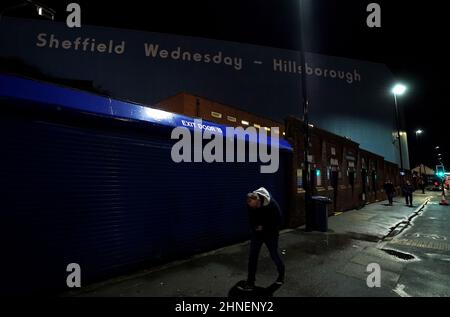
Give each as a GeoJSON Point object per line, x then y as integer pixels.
{"type": "Point", "coordinates": [427, 239]}
{"type": "Point", "coordinates": [410, 245]}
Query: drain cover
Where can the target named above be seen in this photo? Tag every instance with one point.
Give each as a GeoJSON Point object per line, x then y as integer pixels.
{"type": "Point", "coordinates": [401, 255]}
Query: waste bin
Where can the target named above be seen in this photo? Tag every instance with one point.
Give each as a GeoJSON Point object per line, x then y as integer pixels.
{"type": "Point", "coordinates": [320, 210]}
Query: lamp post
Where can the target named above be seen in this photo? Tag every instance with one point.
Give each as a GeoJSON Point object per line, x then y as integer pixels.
{"type": "Point", "coordinates": [440, 172]}
{"type": "Point", "coordinates": [419, 132]}
{"type": "Point", "coordinates": [305, 107]}
{"type": "Point", "coordinates": [438, 155]}
{"type": "Point", "coordinates": [398, 90]}
{"type": "Point", "coordinates": [439, 158]}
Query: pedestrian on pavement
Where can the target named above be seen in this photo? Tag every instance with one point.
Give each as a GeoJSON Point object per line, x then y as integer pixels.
{"type": "Point", "coordinates": [422, 184]}
{"type": "Point", "coordinates": [389, 190]}
{"type": "Point", "coordinates": [408, 190]}
{"type": "Point", "coordinates": [265, 220]}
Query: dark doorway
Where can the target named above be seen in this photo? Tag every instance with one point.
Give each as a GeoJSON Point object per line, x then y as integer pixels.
{"type": "Point", "coordinates": [351, 180]}
{"type": "Point", "coordinates": [374, 183]}
{"type": "Point", "coordinates": [364, 181]}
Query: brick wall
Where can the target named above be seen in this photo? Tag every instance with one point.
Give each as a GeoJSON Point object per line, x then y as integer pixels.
{"type": "Point", "coordinates": [342, 166]}
{"type": "Point", "coordinates": [191, 105]}
{"type": "Point", "coordinates": [339, 169]}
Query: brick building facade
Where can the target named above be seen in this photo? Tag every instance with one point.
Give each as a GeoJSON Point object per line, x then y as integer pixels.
{"type": "Point", "coordinates": [339, 168]}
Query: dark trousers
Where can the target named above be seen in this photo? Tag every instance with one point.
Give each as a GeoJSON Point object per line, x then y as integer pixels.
{"type": "Point", "coordinates": [409, 199]}
{"type": "Point", "coordinates": [255, 247]}
{"type": "Point", "coordinates": [390, 198]}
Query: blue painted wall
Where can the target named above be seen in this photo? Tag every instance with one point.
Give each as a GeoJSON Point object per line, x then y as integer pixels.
{"type": "Point", "coordinates": [361, 110]}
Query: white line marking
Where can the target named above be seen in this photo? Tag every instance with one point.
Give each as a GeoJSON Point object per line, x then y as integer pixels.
{"type": "Point", "coordinates": [400, 291]}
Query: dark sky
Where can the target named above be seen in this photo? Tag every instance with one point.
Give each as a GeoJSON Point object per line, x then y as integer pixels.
{"type": "Point", "coordinates": [411, 41]}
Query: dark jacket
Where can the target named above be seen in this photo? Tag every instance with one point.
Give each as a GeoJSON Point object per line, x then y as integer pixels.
{"type": "Point", "coordinates": [269, 217]}
{"type": "Point", "coordinates": [408, 189]}
{"type": "Point", "coordinates": [389, 188]}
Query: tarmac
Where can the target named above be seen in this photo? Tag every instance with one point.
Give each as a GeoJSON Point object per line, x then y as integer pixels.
{"type": "Point", "coordinates": [332, 263]}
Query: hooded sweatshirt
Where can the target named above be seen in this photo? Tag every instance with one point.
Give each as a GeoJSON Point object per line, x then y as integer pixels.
{"type": "Point", "coordinates": [268, 215]}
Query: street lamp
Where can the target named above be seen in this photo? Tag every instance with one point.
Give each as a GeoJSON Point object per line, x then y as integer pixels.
{"type": "Point", "coordinates": [398, 90]}
{"type": "Point", "coordinates": [418, 133]}
{"type": "Point", "coordinates": [41, 9]}
{"type": "Point", "coordinates": [437, 147]}
{"type": "Point", "coordinates": [45, 12]}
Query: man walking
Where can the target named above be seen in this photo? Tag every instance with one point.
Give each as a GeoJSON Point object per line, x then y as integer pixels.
{"type": "Point", "coordinates": [389, 190]}
{"type": "Point", "coordinates": [265, 220]}
{"type": "Point", "coordinates": [408, 190]}
{"type": "Point", "coordinates": [422, 184]}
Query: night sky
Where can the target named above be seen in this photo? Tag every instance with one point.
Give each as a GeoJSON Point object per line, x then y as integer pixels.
{"type": "Point", "coordinates": [410, 42]}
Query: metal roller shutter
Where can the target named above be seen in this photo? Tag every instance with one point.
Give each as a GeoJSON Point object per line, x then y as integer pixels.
{"type": "Point", "coordinates": [112, 202]}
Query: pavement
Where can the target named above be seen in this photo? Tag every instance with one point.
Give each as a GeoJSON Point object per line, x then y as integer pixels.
{"type": "Point", "coordinates": [427, 238]}
{"type": "Point", "coordinates": [409, 244]}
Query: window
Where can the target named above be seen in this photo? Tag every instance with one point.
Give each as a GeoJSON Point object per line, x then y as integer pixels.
{"type": "Point", "coordinates": [216, 114]}
{"type": "Point", "coordinates": [230, 118]}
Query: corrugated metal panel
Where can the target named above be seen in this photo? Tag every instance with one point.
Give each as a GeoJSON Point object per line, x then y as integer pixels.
{"type": "Point", "coordinates": [112, 202]}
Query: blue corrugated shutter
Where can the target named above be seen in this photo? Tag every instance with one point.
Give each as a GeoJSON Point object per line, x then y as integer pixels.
{"type": "Point", "coordinates": [112, 202]}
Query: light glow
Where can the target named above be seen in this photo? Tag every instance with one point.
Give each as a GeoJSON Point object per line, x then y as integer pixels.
{"type": "Point", "coordinates": [399, 89]}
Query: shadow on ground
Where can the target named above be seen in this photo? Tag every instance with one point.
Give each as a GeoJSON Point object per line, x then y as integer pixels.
{"type": "Point", "coordinates": [235, 292]}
